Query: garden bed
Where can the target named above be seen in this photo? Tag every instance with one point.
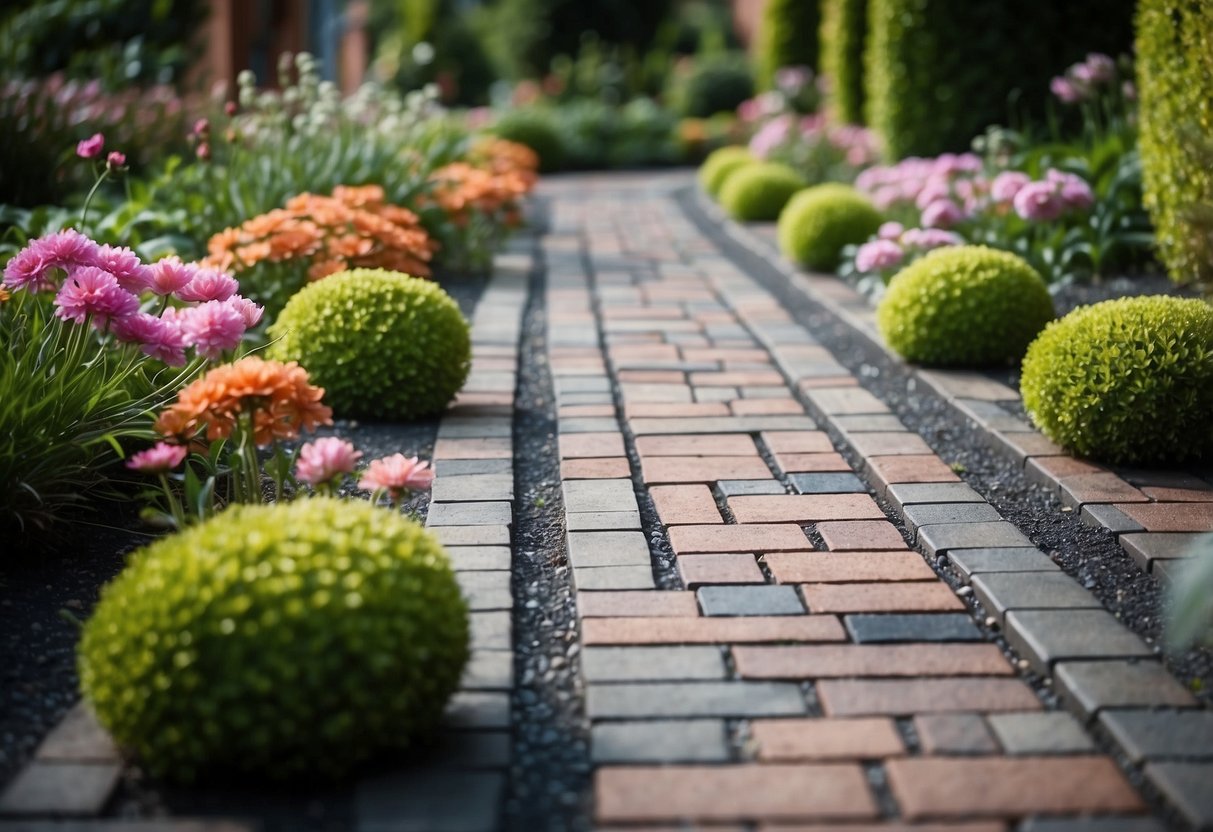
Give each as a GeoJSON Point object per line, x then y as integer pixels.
{"type": "Point", "coordinates": [55, 582]}
{"type": "Point", "coordinates": [841, 318]}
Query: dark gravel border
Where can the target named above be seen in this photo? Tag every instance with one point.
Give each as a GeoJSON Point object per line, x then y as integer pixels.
{"type": "Point", "coordinates": [549, 782]}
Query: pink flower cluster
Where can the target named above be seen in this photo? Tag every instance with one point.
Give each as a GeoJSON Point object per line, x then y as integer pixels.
{"type": "Point", "coordinates": [103, 285]}
{"type": "Point", "coordinates": [857, 144]}
{"type": "Point", "coordinates": [946, 189]}
{"type": "Point", "coordinates": [325, 462]}
{"type": "Point", "coordinates": [1085, 79]}
{"type": "Point", "coordinates": [1045, 200]}
{"type": "Point", "coordinates": [895, 244]}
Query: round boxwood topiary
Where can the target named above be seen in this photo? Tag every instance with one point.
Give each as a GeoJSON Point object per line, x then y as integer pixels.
{"type": "Point", "coordinates": [1126, 381]}
{"type": "Point", "coordinates": [964, 306]}
{"type": "Point", "coordinates": [381, 344]}
{"type": "Point", "coordinates": [281, 640]}
{"type": "Point", "coordinates": [719, 165]}
{"type": "Point", "coordinates": [819, 222]}
{"type": "Point", "coordinates": [758, 192]}
{"type": "Point", "coordinates": [538, 131]}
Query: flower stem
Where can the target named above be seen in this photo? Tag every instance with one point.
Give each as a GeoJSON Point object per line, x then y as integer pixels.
{"type": "Point", "coordinates": [89, 199]}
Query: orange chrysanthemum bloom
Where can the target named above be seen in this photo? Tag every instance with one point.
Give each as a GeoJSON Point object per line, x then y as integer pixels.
{"type": "Point", "coordinates": [353, 228]}
{"type": "Point", "coordinates": [279, 397]}
{"type": "Point", "coordinates": [498, 174]}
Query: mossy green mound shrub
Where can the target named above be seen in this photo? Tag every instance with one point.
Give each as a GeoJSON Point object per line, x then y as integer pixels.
{"type": "Point", "coordinates": [844, 27]}
{"type": "Point", "coordinates": [1175, 79]}
{"type": "Point", "coordinates": [964, 306]}
{"type": "Point", "coordinates": [538, 131]}
{"type": "Point", "coordinates": [1126, 381]}
{"type": "Point", "coordinates": [721, 164]}
{"type": "Point", "coordinates": [279, 640]}
{"type": "Point", "coordinates": [938, 72]}
{"type": "Point", "coordinates": [714, 84]}
{"type": "Point", "coordinates": [382, 344]}
{"type": "Point", "coordinates": [787, 36]}
{"type": "Point", "coordinates": [819, 222]}
{"type": "Point", "coordinates": [758, 192]}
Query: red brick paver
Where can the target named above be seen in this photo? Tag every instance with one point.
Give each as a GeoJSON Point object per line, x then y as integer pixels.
{"type": "Point", "coordinates": [734, 792]}
{"type": "Point", "coordinates": [826, 739]}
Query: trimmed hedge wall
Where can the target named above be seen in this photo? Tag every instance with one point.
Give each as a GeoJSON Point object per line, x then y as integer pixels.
{"type": "Point", "coordinates": [844, 26]}
{"type": "Point", "coordinates": [1175, 79]}
{"type": "Point", "coordinates": [938, 72]}
{"type": "Point", "coordinates": [787, 36]}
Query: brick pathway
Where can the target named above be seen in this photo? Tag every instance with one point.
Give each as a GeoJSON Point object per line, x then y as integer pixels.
{"type": "Point", "coordinates": [761, 644]}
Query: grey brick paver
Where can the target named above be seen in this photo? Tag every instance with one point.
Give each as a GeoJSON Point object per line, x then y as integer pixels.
{"type": "Point", "coordinates": [749, 600]}
{"type": "Point", "coordinates": [660, 741]}
{"type": "Point", "coordinates": [1001, 592]}
{"type": "Point", "coordinates": [1091, 686]}
{"type": "Point", "coordinates": [970, 562]}
{"type": "Point", "coordinates": [634, 664]}
{"type": "Point", "coordinates": [1040, 733]}
{"type": "Point", "coordinates": [694, 699]}
{"type": "Point", "coordinates": [430, 801]}
{"type": "Point", "coordinates": [1186, 785]}
{"type": "Point", "coordinates": [910, 627]}
{"type": "Point", "coordinates": [60, 788]}
{"type": "Point", "coordinates": [608, 549]}
{"type": "Point", "coordinates": [927, 514]}
{"type": "Point", "coordinates": [1161, 735]}
{"type": "Point", "coordinates": [940, 538]}
{"type": "Point", "coordinates": [1049, 636]}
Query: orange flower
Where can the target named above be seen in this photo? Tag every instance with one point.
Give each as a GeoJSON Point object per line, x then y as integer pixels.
{"type": "Point", "coordinates": [354, 227]}
{"type": "Point", "coordinates": [4, 295]}
{"type": "Point", "coordinates": [279, 397]}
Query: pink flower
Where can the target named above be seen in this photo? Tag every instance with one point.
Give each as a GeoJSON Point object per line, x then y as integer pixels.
{"type": "Point", "coordinates": [211, 328]}
{"type": "Point", "coordinates": [770, 136]}
{"type": "Point", "coordinates": [91, 147]}
{"type": "Point", "coordinates": [890, 231]}
{"type": "Point", "coordinates": [208, 284]}
{"type": "Point", "coordinates": [885, 197]}
{"type": "Point", "coordinates": [158, 459]}
{"type": "Point", "coordinates": [397, 474]}
{"type": "Point", "coordinates": [169, 275]}
{"type": "Point", "coordinates": [1007, 184]}
{"type": "Point", "coordinates": [878, 255]}
{"type": "Point", "coordinates": [115, 160]}
{"type": "Point", "coordinates": [30, 268]}
{"type": "Point", "coordinates": [325, 459]}
{"type": "Point", "coordinates": [929, 238]}
{"type": "Point", "coordinates": [94, 293]}
{"type": "Point", "coordinates": [202, 127]}
{"type": "Point", "coordinates": [249, 311]}
{"type": "Point", "coordinates": [934, 190]}
{"type": "Point", "coordinates": [1039, 202]}
{"type": "Point", "coordinates": [1099, 68]}
{"type": "Point", "coordinates": [158, 338]}
{"type": "Point", "coordinates": [942, 213]}
{"type": "Point", "coordinates": [1077, 194]}
{"type": "Point", "coordinates": [1066, 91]}
{"type": "Point", "coordinates": [124, 265]}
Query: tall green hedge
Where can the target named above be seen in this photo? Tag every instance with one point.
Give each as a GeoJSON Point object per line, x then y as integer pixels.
{"type": "Point", "coordinates": [843, 31]}
{"type": "Point", "coordinates": [1175, 78]}
{"type": "Point", "coordinates": [787, 36]}
{"type": "Point", "coordinates": [938, 72]}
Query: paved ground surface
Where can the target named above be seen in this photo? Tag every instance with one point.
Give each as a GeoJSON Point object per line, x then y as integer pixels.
{"type": "Point", "coordinates": [791, 614]}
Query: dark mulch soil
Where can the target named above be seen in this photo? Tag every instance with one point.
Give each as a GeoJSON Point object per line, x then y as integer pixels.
{"type": "Point", "coordinates": [47, 583]}
{"type": "Point", "coordinates": [1092, 556]}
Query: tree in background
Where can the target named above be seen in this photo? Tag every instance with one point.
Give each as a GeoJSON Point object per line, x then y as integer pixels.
{"type": "Point", "coordinates": [115, 42]}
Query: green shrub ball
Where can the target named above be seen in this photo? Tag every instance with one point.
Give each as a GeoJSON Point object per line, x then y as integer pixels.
{"type": "Point", "coordinates": [1126, 381]}
{"type": "Point", "coordinates": [719, 165]}
{"type": "Point", "coordinates": [964, 306]}
{"type": "Point", "coordinates": [758, 192]}
{"type": "Point", "coordinates": [287, 640]}
{"type": "Point", "coordinates": [818, 223]}
{"type": "Point", "coordinates": [382, 344]}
